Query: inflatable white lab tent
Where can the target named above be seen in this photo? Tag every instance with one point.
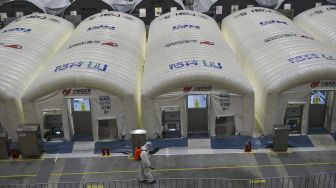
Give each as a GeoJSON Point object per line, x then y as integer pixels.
{"type": "Point", "coordinates": [192, 82]}
{"type": "Point", "coordinates": [92, 83]}
{"type": "Point", "coordinates": [293, 74]}
{"type": "Point", "coordinates": [320, 22]}
{"type": "Point", "coordinates": [25, 47]}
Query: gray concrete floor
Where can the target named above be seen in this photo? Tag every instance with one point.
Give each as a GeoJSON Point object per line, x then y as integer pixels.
{"type": "Point", "coordinates": [227, 165]}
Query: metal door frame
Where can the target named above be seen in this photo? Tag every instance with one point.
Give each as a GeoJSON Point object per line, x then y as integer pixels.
{"type": "Point", "coordinates": [207, 111]}
{"type": "Point", "coordinates": [326, 108]}
{"type": "Point", "coordinates": [70, 118]}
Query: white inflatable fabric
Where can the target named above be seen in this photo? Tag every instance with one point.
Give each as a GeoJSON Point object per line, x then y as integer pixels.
{"type": "Point", "coordinates": [56, 7]}
{"type": "Point", "coordinates": [25, 46]}
{"type": "Point", "coordinates": [121, 5]}
{"type": "Point", "coordinates": [186, 49]}
{"type": "Point", "coordinates": [276, 56]}
{"type": "Point", "coordinates": [105, 52]}
{"type": "Point", "coordinates": [39, 3]}
{"type": "Point", "coordinates": [267, 3]}
{"type": "Point", "coordinates": [203, 5]}
{"type": "Point", "coordinates": [320, 22]}
{"type": "Point", "coordinates": [57, 4]}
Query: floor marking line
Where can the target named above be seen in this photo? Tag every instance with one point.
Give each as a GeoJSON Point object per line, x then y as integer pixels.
{"type": "Point", "coordinates": [172, 169]}
{"type": "Point", "coordinates": [190, 169]}
{"type": "Point", "coordinates": [257, 181]}
{"type": "Point", "coordinates": [19, 175]}
{"type": "Point", "coordinates": [21, 160]}
{"type": "Point", "coordinates": [86, 173]}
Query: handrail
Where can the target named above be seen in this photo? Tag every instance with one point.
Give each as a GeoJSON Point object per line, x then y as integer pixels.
{"type": "Point", "coordinates": [320, 180]}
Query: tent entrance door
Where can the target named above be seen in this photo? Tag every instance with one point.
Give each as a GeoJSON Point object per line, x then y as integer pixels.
{"type": "Point", "coordinates": [317, 109]}
{"type": "Point", "coordinates": [81, 118]}
{"type": "Point", "coordinates": [197, 116]}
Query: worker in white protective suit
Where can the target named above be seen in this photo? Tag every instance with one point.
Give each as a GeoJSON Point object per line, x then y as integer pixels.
{"type": "Point", "coordinates": [145, 174]}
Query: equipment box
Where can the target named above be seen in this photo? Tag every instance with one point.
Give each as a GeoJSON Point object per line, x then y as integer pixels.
{"type": "Point", "coordinates": [4, 146]}
{"type": "Point", "coordinates": [30, 145]}
{"type": "Point", "coordinates": [280, 137]}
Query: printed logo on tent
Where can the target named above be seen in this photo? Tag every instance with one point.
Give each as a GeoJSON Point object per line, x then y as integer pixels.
{"type": "Point", "coordinates": [179, 14]}
{"type": "Point", "coordinates": [128, 18]}
{"type": "Point", "coordinates": [76, 91]}
{"type": "Point", "coordinates": [108, 14]}
{"type": "Point", "coordinates": [325, 84]}
{"type": "Point", "coordinates": [66, 92]}
{"type": "Point", "coordinates": [241, 14]}
{"type": "Point", "coordinates": [81, 91]}
{"type": "Point", "coordinates": [41, 17]}
{"type": "Point", "coordinates": [310, 56]}
{"type": "Point", "coordinates": [14, 46]}
{"type": "Point", "coordinates": [225, 101]}
{"type": "Point", "coordinates": [113, 44]}
{"type": "Point", "coordinates": [185, 14]}
{"type": "Point", "coordinates": [82, 65]}
{"type": "Point", "coordinates": [101, 27]}
{"type": "Point", "coordinates": [189, 42]}
{"type": "Point", "coordinates": [203, 16]}
{"type": "Point", "coordinates": [17, 29]}
{"type": "Point", "coordinates": [315, 84]}
{"type": "Point", "coordinates": [271, 22]}
{"type": "Point", "coordinates": [54, 20]}
{"type": "Point", "coordinates": [165, 17]}
{"type": "Point", "coordinates": [201, 88]}
{"type": "Point", "coordinates": [317, 12]}
{"type": "Point", "coordinates": [186, 26]}
{"type": "Point", "coordinates": [257, 10]}
{"type": "Point", "coordinates": [286, 35]}
{"type": "Point", "coordinates": [105, 103]}
{"type": "Point", "coordinates": [195, 63]}
{"type": "Point", "coordinates": [97, 42]}
{"type": "Point", "coordinates": [207, 43]}
{"type": "Point", "coordinates": [181, 42]}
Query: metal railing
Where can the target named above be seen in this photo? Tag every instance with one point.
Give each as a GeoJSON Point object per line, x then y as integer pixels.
{"type": "Point", "coordinates": [327, 180]}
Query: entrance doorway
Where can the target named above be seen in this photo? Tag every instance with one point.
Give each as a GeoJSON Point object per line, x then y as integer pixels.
{"type": "Point", "coordinates": [81, 118]}
{"type": "Point", "coordinates": [293, 118]}
{"type": "Point", "coordinates": [317, 110]}
{"type": "Point", "coordinates": [170, 116]}
{"type": "Point", "coordinates": [52, 125]}
{"type": "Point", "coordinates": [197, 116]}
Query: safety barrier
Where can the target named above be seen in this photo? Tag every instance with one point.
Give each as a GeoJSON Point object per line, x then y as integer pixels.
{"type": "Point", "coordinates": [327, 180]}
